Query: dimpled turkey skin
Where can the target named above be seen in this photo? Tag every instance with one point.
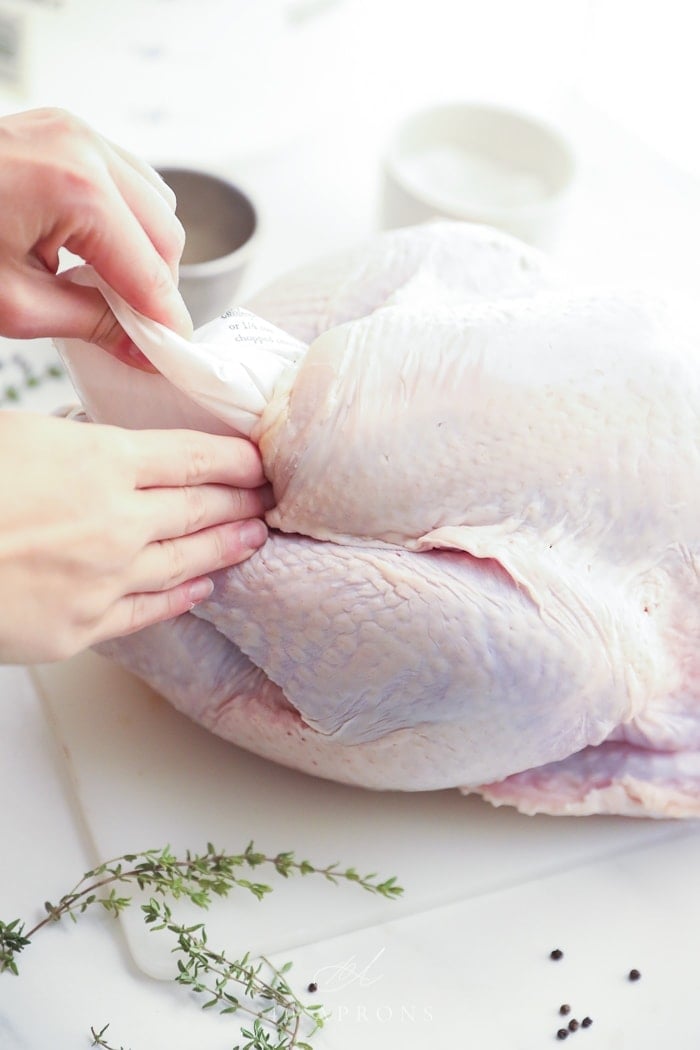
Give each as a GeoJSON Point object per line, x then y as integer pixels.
{"type": "Point", "coordinates": [483, 565]}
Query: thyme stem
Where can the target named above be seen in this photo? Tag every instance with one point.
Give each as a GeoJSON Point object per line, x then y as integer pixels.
{"type": "Point", "coordinates": [272, 1004]}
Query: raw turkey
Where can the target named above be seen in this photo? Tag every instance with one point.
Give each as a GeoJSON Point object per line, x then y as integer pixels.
{"type": "Point", "coordinates": [483, 569]}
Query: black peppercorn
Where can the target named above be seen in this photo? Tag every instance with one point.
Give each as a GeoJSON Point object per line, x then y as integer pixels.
{"type": "Point", "coordinates": [586, 1022]}
{"type": "Point", "coordinates": [573, 1024]}
{"type": "Point", "coordinates": [634, 975]}
{"type": "Point", "coordinates": [564, 1009]}
{"type": "Point", "coordinates": [313, 987]}
{"type": "Point", "coordinates": [562, 1033]}
{"type": "Point", "coordinates": [556, 953]}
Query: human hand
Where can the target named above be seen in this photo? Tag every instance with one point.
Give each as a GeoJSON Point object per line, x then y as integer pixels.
{"type": "Point", "coordinates": [104, 531]}
{"type": "Point", "coordinates": [64, 185]}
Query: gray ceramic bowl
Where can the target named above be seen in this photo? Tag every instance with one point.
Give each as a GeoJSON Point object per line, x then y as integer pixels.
{"type": "Point", "coordinates": [221, 224]}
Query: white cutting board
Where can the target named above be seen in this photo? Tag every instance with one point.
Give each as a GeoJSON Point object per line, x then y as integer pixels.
{"type": "Point", "coordinates": [145, 776]}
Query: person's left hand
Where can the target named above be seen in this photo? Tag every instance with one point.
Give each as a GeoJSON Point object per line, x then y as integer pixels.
{"type": "Point", "coordinates": [104, 531]}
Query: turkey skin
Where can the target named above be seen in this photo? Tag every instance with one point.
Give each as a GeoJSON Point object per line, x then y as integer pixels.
{"type": "Point", "coordinates": [483, 564]}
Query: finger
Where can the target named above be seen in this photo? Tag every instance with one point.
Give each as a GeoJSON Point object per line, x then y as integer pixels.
{"type": "Point", "coordinates": [149, 198]}
{"type": "Point", "coordinates": [167, 458]}
{"type": "Point", "coordinates": [167, 563]}
{"type": "Point", "coordinates": [163, 227]}
{"type": "Point", "coordinates": [136, 611]}
{"type": "Point", "coordinates": [179, 512]}
{"type": "Point", "coordinates": [44, 305]}
{"type": "Point", "coordinates": [112, 239]}
{"type": "Point", "coordinates": [147, 171]}
{"type": "Point", "coordinates": [110, 336]}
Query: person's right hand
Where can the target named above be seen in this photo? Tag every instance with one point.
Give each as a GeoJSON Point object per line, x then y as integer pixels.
{"type": "Point", "coordinates": [104, 531]}
{"type": "Point", "coordinates": [63, 185]}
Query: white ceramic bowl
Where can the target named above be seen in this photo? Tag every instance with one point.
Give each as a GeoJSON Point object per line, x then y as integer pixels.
{"type": "Point", "coordinates": [221, 225]}
{"type": "Point", "coordinates": [481, 164]}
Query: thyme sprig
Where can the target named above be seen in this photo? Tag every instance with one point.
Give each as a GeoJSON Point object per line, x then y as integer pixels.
{"type": "Point", "coordinates": [198, 877]}
{"type": "Point", "coordinates": [98, 1039]}
{"type": "Point", "coordinates": [26, 379]}
{"type": "Point", "coordinates": [254, 988]}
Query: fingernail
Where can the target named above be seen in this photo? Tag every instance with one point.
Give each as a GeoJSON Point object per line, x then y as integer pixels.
{"type": "Point", "coordinates": [180, 322]}
{"type": "Point", "coordinates": [253, 533]}
{"type": "Point", "coordinates": [200, 589]}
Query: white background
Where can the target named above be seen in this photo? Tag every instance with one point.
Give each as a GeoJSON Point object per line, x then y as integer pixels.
{"type": "Point", "coordinates": [231, 76]}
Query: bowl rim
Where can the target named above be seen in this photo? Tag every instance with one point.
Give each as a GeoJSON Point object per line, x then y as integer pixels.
{"type": "Point", "coordinates": [239, 256]}
{"type": "Point", "coordinates": [395, 157]}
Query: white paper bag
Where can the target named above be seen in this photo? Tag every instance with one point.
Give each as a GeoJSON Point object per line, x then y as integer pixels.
{"type": "Point", "coordinates": [219, 381]}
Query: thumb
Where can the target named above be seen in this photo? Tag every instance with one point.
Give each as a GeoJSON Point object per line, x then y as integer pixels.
{"type": "Point", "coordinates": [76, 312]}
{"type": "Point", "coordinates": [38, 304]}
